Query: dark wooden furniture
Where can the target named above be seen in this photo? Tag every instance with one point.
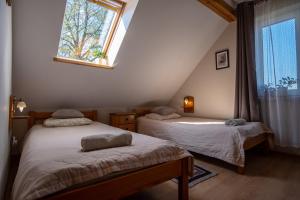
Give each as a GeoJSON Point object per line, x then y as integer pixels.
{"type": "Point", "coordinates": [21, 117]}
{"type": "Point", "coordinates": [11, 111]}
{"type": "Point", "coordinates": [133, 182]}
{"type": "Point", "coordinates": [127, 184]}
{"type": "Point", "coordinates": [126, 121]}
{"type": "Point", "coordinates": [14, 139]}
{"type": "Point", "coordinates": [265, 138]}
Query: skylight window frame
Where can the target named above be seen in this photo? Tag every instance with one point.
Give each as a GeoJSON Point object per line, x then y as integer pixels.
{"type": "Point", "coordinates": [117, 6]}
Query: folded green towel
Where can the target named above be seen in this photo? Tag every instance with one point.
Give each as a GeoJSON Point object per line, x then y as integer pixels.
{"type": "Point", "coordinates": [235, 122]}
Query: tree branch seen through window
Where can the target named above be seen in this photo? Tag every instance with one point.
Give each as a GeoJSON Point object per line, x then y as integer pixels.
{"type": "Point", "coordinates": [88, 29]}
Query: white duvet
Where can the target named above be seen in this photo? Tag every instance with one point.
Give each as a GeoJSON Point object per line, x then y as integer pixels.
{"type": "Point", "coordinates": [52, 160]}
{"type": "Point", "coordinates": [208, 137]}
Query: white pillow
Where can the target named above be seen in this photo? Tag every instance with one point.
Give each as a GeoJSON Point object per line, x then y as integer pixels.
{"type": "Point", "coordinates": [67, 113]}
{"type": "Point", "coordinates": [163, 110]}
{"type": "Point", "coordinates": [162, 117]}
{"type": "Point", "coordinates": [51, 122]}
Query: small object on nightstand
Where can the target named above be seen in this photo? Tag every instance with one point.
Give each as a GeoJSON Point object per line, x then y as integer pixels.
{"type": "Point", "coordinates": [126, 121]}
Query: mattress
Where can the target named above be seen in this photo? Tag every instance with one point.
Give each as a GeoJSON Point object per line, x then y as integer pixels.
{"type": "Point", "coordinates": [52, 159]}
{"type": "Point", "coordinates": [208, 137]}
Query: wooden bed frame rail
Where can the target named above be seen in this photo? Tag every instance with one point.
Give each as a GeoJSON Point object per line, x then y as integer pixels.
{"type": "Point", "coordinates": [131, 183]}
{"type": "Point", "coordinates": [265, 138]}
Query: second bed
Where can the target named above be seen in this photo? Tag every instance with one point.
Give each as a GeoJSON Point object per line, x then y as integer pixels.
{"type": "Point", "coordinates": [208, 137]}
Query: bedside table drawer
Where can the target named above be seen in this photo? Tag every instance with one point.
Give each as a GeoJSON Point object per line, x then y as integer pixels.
{"type": "Point", "coordinates": [129, 127]}
{"type": "Point", "coordinates": [126, 121]}
{"type": "Point", "coordinates": [123, 119]}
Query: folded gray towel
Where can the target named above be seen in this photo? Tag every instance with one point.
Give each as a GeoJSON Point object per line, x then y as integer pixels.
{"type": "Point", "coordinates": [105, 141]}
{"type": "Point", "coordinates": [235, 122]}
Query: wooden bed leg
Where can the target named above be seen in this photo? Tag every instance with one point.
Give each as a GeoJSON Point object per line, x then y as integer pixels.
{"type": "Point", "coordinates": [266, 147]}
{"type": "Point", "coordinates": [183, 182]}
{"type": "Point", "coordinates": [183, 188]}
{"type": "Point", "coordinates": [241, 170]}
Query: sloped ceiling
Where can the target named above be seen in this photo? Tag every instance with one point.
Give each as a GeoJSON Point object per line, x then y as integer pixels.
{"type": "Point", "coordinates": [164, 43]}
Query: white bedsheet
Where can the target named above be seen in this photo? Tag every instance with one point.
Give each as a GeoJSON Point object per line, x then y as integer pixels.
{"type": "Point", "coordinates": [208, 137]}
{"type": "Point", "coordinates": [52, 159]}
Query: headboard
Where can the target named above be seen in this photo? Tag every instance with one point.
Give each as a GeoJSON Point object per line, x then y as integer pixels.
{"type": "Point", "coordinates": [11, 111]}
{"type": "Point", "coordinates": [36, 117]}
{"type": "Point", "coordinates": [141, 111]}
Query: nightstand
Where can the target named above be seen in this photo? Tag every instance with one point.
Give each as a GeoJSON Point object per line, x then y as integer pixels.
{"type": "Point", "coordinates": [19, 117]}
{"type": "Point", "coordinates": [15, 135]}
{"type": "Point", "coordinates": [126, 121]}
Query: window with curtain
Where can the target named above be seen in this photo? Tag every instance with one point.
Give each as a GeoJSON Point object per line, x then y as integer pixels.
{"type": "Point", "coordinates": [280, 51]}
{"type": "Point", "coordinates": [277, 38]}
{"type": "Point", "coordinates": [277, 44]}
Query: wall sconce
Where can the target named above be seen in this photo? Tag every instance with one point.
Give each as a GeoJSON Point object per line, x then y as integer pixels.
{"type": "Point", "coordinates": [14, 104]}
{"type": "Point", "coordinates": [188, 104]}
{"type": "Point", "coordinates": [19, 104]}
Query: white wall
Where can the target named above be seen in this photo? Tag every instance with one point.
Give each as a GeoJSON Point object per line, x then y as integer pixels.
{"type": "Point", "coordinates": [214, 90]}
{"type": "Point", "coordinates": [5, 90]}
{"type": "Point", "coordinates": [165, 41]}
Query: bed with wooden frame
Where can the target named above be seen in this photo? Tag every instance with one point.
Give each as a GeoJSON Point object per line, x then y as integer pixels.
{"type": "Point", "coordinates": [265, 138]}
{"type": "Point", "coordinates": [133, 181]}
{"type": "Point", "coordinates": [252, 142]}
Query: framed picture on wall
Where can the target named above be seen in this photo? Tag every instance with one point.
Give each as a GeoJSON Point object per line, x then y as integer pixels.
{"type": "Point", "coordinates": [222, 59]}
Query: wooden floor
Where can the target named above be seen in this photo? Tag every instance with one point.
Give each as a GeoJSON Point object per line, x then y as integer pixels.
{"type": "Point", "coordinates": [268, 177]}
{"type": "Point", "coordinates": [274, 176]}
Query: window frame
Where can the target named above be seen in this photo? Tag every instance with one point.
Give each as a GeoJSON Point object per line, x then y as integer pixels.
{"type": "Point", "coordinates": [280, 19]}
{"type": "Point", "coordinates": [116, 5]}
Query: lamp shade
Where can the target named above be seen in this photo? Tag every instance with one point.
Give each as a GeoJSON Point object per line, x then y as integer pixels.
{"type": "Point", "coordinates": [21, 105]}
{"type": "Point", "coordinates": [188, 104]}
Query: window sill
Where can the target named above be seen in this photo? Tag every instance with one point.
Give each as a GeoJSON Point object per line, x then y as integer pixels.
{"type": "Point", "coordinates": [79, 62]}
